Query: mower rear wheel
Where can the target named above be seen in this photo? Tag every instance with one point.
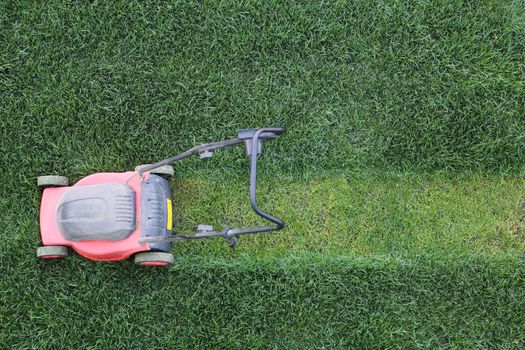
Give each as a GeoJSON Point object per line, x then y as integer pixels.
{"type": "Point", "coordinates": [52, 181]}
{"type": "Point", "coordinates": [153, 259]}
{"type": "Point", "coordinates": [165, 170]}
{"type": "Point", "coordinates": [52, 252]}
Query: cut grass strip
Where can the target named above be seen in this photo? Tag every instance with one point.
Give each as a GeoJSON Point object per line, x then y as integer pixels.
{"type": "Point", "coordinates": [408, 214]}
{"type": "Point", "coordinates": [304, 302]}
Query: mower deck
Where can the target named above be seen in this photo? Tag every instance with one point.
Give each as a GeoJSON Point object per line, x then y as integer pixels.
{"type": "Point", "coordinates": [95, 213]}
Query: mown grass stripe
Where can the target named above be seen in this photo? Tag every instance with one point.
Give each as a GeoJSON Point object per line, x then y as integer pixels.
{"type": "Point", "coordinates": [404, 215]}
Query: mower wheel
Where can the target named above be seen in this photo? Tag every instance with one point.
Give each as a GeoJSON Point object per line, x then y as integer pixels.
{"type": "Point", "coordinates": [51, 252]}
{"type": "Point", "coordinates": [52, 181]}
{"type": "Point", "coordinates": [153, 259]}
{"type": "Point", "coordinates": [165, 170]}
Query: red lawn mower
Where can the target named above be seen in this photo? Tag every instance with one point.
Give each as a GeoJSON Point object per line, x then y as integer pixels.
{"type": "Point", "coordinates": [115, 216]}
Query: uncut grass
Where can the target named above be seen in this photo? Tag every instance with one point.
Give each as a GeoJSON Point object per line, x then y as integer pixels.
{"type": "Point", "coordinates": [363, 84]}
{"type": "Point", "coordinates": [311, 302]}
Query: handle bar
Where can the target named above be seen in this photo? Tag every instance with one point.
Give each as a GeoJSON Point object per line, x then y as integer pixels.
{"type": "Point", "coordinates": [253, 139]}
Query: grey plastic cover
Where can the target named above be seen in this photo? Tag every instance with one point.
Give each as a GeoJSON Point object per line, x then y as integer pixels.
{"type": "Point", "coordinates": [97, 212]}
{"type": "Point", "coordinates": [155, 192]}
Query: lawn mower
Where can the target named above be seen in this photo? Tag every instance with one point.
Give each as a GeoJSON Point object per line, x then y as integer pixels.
{"type": "Point", "coordinates": [115, 216]}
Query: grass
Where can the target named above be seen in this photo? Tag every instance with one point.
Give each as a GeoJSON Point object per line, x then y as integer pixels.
{"type": "Point", "coordinates": [312, 301]}
{"type": "Point", "coordinates": [401, 85]}
{"type": "Point", "coordinates": [400, 179]}
{"type": "Point", "coordinates": [373, 215]}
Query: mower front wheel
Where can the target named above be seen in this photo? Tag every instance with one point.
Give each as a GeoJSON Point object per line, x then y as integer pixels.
{"type": "Point", "coordinates": [153, 259]}
{"type": "Point", "coordinates": [51, 252]}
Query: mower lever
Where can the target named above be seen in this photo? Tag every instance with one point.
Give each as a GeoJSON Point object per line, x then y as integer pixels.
{"type": "Point", "coordinates": [203, 229]}
{"type": "Point", "coordinates": [233, 241]}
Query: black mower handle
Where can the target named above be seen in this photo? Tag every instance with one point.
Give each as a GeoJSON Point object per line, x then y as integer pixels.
{"type": "Point", "coordinates": [253, 177]}
{"type": "Point", "coordinates": [252, 138]}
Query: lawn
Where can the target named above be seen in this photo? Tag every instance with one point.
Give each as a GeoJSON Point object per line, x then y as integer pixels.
{"type": "Point", "coordinates": [400, 178]}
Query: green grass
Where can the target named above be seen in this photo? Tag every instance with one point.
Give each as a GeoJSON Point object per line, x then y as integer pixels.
{"type": "Point", "coordinates": [308, 302]}
{"type": "Point", "coordinates": [373, 215]}
{"type": "Point", "coordinates": [404, 85]}
{"type": "Point", "coordinates": [400, 179]}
